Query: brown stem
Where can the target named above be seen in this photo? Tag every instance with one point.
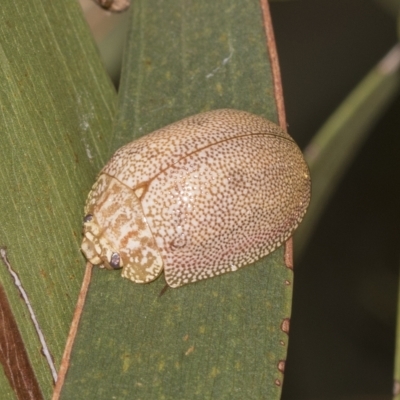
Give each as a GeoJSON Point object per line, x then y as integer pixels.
{"type": "Point", "coordinates": [72, 332]}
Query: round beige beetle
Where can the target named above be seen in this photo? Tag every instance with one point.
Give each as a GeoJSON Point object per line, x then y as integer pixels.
{"type": "Point", "coordinates": [201, 197]}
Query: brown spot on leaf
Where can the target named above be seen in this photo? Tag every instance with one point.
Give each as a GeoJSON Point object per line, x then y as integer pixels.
{"type": "Point", "coordinates": [281, 366]}
{"type": "Point", "coordinates": [285, 325]}
{"type": "Point", "coordinates": [289, 253]}
{"type": "Point", "coordinates": [277, 382]}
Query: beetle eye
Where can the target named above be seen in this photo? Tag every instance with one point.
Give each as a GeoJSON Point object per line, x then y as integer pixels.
{"type": "Point", "coordinates": [87, 218]}
{"type": "Point", "coordinates": [115, 260]}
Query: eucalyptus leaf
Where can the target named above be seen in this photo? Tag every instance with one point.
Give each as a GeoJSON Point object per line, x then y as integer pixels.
{"type": "Point", "coordinates": [56, 105]}
{"type": "Point", "coordinates": [222, 338]}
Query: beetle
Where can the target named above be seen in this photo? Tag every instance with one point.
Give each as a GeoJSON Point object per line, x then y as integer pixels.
{"type": "Point", "coordinates": [198, 198]}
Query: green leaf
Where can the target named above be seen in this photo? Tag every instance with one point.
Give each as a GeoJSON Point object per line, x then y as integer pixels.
{"type": "Point", "coordinates": [56, 108]}
{"type": "Point", "coordinates": [222, 338]}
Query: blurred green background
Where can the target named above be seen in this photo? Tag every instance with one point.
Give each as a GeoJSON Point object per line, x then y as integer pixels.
{"type": "Point", "coordinates": [345, 293]}
{"type": "Point", "coordinates": [345, 287]}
